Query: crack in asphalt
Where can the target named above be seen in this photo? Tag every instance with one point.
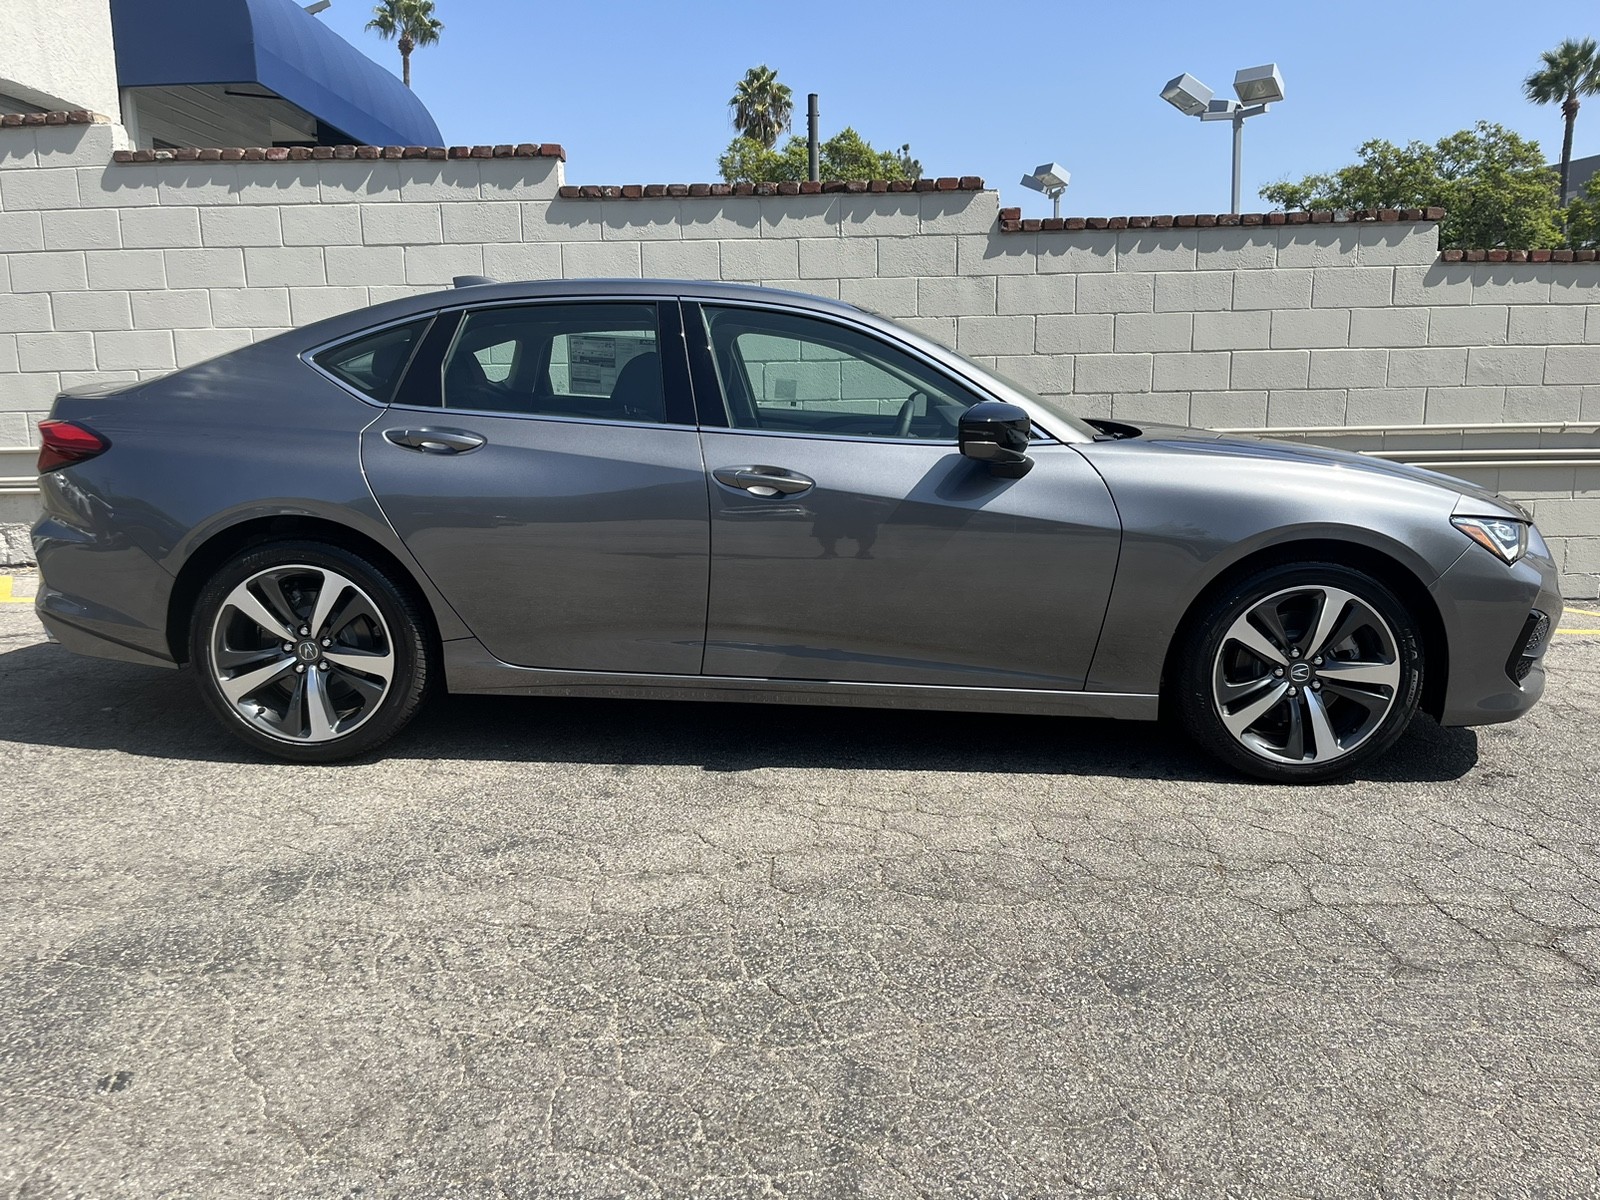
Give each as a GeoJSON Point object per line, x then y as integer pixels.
{"type": "Point", "coordinates": [585, 949]}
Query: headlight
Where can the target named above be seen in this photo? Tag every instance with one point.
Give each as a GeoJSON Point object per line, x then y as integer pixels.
{"type": "Point", "coordinates": [1506, 539]}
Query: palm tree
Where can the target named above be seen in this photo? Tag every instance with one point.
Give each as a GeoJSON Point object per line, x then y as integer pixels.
{"type": "Point", "coordinates": [1571, 70]}
{"type": "Point", "coordinates": [761, 105]}
{"type": "Point", "coordinates": [412, 21]}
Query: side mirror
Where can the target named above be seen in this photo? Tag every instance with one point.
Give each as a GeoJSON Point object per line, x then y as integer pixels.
{"type": "Point", "coordinates": [997, 433]}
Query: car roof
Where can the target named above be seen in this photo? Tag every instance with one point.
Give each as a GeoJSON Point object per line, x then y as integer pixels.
{"type": "Point", "coordinates": [691, 288]}
{"type": "Point", "coordinates": [544, 289]}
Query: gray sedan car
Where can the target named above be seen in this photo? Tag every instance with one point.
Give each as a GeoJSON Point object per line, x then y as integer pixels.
{"type": "Point", "coordinates": [711, 492]}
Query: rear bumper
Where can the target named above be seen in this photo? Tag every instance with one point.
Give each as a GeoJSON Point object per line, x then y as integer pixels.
{"type": "Point", "coordinates": [1486, 606]}
{"type": "Point", "coordinates": [95, 644]}
{"type": "Point", "coordinates": [99, 595]}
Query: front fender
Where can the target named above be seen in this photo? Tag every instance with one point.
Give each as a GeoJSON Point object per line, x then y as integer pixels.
{"type": "Point", "coordinates": [1188, 519]}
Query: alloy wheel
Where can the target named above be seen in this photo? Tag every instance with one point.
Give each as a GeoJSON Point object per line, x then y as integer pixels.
{"type": "Point", "coordinates": [301, 653]}
{"type": "Point", "coordinates": [1306, 675]}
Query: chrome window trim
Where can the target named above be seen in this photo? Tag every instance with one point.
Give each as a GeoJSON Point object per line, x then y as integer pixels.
{"type": "Point", "coordinates": [546, 417]}
{"type": "Point", "coordinates": [308, 357]}
{"type": "Point", "coordinates": [827, 437]}
{"type": "Point", "coordinates": [1046, 440]}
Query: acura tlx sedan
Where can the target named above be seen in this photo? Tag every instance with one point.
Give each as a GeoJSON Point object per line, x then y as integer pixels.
{"type": "Point", "coordinates": [713, 492]}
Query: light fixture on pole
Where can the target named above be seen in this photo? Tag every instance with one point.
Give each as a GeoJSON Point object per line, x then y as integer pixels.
{"type": "Point", "coordinates": [1257, 89]}
{"type": "Point", "coordinates": [1051, 179]}
{"type": "Point", "coordinates": [319, 6]}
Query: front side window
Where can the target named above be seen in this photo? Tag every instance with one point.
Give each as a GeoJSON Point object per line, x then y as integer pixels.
{"type": "Point", "coordinates": [374, 362]}
{"type": "Point", "coordinates": [782, 372]}
{"type": "Point", "coordinates": [597, 361]}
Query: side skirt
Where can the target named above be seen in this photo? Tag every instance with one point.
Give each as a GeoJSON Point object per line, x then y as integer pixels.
{"type": "Point", "coordinates": [469, 668]}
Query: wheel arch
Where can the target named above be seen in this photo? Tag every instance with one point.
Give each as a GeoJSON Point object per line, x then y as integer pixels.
{"type": "Point", "coordinates": [220, 546]}
{"type": "Point", "coordinates": [1387, 569]}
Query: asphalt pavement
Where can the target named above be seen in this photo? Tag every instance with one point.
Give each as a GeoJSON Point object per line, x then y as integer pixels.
{"type": "Point", "coordinates": [593, 949]}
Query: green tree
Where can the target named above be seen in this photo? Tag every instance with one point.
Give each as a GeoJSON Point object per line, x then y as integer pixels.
{"type": "Point", "coordinates": [1493, 185]}
{"type": "Point", "coordinates": [1583, 217]}
{"type": "Point", "coordinates": [846, 155]}
{"type": "Point", "coordinates": [748, 161]}
{"type": "Point", "coordinates": [412, 22]}
{"type": "Point", "coordinates": [761, 106]}
{"type": "Point", "coordinates": [1571, 70]}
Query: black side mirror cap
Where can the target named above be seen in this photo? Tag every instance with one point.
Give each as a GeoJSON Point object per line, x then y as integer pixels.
{"type": "Point", "coordinates": [997, 433]}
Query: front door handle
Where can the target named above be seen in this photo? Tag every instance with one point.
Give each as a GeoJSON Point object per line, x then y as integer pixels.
{"type": "Point", "coordinates": [764, 481]}
{"type": "Point", "coordinates": [435, 441]}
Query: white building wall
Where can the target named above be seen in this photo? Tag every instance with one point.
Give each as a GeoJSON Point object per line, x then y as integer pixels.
{"type": "Point", "coordinates": [58, 54]}
{"type": "Point", "coordinates": [114, 271]}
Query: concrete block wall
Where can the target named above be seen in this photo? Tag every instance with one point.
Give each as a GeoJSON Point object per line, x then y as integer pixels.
{"type": "Point", "coordinates": [58, 54]}
{"type": "Point", "coordinates": [118, 271]}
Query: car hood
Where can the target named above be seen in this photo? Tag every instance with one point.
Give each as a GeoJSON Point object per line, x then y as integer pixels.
{"type": "Point", "coordinates": [1207, 441]}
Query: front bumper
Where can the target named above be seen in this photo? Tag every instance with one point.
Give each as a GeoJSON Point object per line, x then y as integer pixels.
{"type": "Point", "coordinates": [1496, 667]}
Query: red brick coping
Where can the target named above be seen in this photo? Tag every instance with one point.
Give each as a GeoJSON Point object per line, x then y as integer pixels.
{"type": "Point", "coordinates": [1011, 220]}
{"type": "Point", "coordinates": [78, 116]}
{"type": "Point", "coordinates": [325, 153]}
{"type": "Point", "coordinates": [1519, 256]}
{"type": "Point", "coordinates": [650, 191]}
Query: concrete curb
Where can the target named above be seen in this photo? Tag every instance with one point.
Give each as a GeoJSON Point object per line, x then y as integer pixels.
{"type": "Point", "coordinates": [16, 547]}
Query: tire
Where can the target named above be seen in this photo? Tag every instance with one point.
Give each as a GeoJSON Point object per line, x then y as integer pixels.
{"type": "Point", "coordinates": [337, 691]}
{"type": "Point", "coordinates": [1300, 673]}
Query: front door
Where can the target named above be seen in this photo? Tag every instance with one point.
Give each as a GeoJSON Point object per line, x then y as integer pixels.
{"type": "Point", "coordinates": [543, 468]}
{"type": "Point", "coordinates": [850, 539]}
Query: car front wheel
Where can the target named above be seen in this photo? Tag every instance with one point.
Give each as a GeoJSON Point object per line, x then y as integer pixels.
{"type": "Point", "coordinates": [1301, 673]}
{"type": "Point", "coordinates": [310, 652]}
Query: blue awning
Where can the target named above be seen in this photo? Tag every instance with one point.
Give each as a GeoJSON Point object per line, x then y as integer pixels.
{"type": "Point", "coordinates": [277, 45]}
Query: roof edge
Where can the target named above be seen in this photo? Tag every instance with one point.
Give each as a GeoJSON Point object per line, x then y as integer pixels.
{"type": "Point", "coordinates": [326, 153]}
{"type": "Point", "coordinates": [1011, 220]}
{"type": "Point", "coordinates": [652, 191]}
{"type": "Point", "coordinates": [76, 116]}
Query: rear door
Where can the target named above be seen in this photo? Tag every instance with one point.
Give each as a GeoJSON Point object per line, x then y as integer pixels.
{"type": "Point", "coordinates": [852, 541]}
{"type": "Point", "coordinates": [541, 463]}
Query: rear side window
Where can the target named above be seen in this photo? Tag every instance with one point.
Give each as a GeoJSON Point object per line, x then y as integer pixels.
{"type": "Point", "coordinates": [590, 360]}
{"type": "Point", "coordinates": [374, 362]}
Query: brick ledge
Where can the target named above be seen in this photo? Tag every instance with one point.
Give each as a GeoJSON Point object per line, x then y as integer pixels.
{"type": "Point", "coordinates": [651, 191]}
{"type": "Point", "coordinates": [1519, 256]}
{"type": "Point", "coordinates": [1011, 220]}
{"type": "Point", "coordinates": [341, 153]}
{"type": "Point", "coordinates": [77, 116]}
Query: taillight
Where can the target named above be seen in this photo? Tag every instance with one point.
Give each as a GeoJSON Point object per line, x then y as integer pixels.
{"type": "Point", "coordinates": [62, 443]}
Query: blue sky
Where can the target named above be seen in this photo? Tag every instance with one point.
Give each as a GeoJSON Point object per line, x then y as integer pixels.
{"type": "Point", "coordinates": [637, 93]}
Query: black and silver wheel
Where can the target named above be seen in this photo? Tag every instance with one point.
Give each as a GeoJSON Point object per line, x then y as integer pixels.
{"type": "Point", "coordinates": [309, 652]}
{"type": "Point", "coordinates": [1301, 673]}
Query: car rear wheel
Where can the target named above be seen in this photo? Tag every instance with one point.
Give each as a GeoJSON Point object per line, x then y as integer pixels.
{"type": "Point", "coordinates": [310, 652]}
{"type": "Point", "coordinates": [1301, 673]}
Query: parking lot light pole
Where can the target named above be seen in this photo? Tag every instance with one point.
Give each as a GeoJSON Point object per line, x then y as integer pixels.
{"type": "Point", "coordinates": [1258, 88]}
{"type": "Point", "coordinates": [1052, 179]}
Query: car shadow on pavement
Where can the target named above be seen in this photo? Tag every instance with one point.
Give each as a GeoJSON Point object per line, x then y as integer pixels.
{"type": "Point", "coordinates": [58, 699]}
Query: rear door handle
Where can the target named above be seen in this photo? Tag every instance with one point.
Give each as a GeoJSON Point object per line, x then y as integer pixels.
{"type": "Point", "coordinates": [764, 481]}
{"type": "Point", "coordinates": [435, 441]}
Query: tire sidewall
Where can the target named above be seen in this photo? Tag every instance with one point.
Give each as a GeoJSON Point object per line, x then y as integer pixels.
{"type": "Point", "coordinates": [1197, 705]}
{"type": "Point", "coordinates": [400, 613]}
